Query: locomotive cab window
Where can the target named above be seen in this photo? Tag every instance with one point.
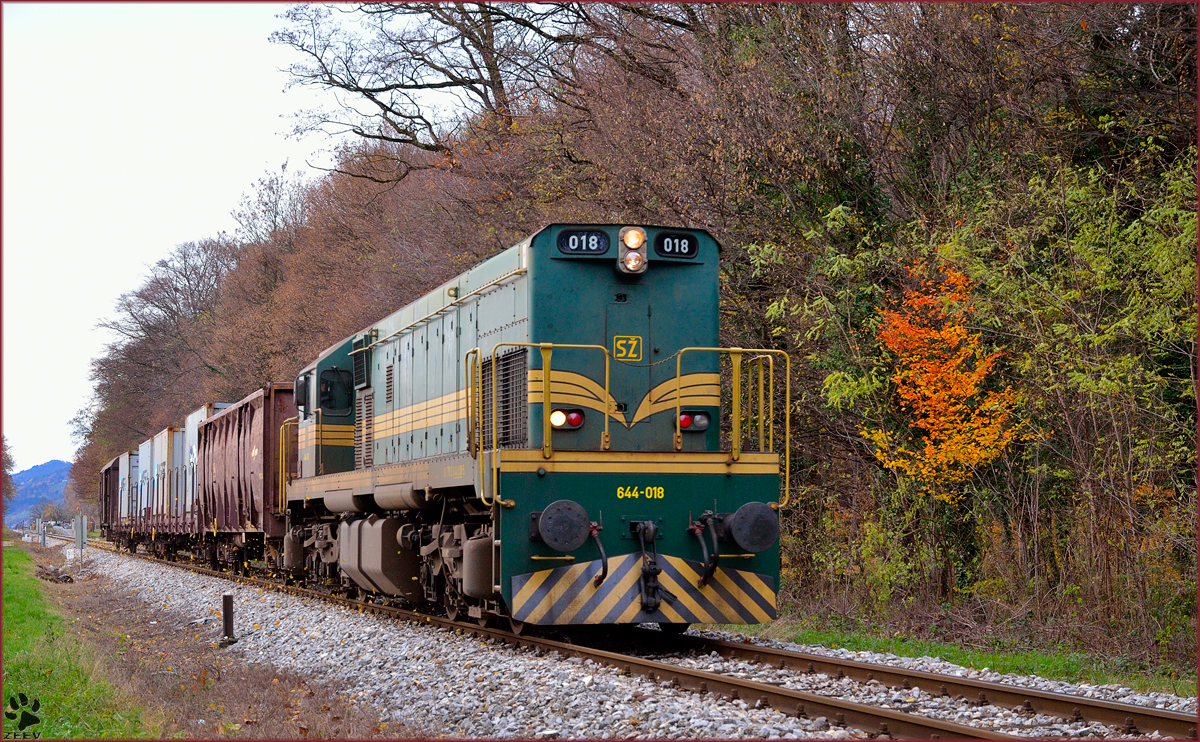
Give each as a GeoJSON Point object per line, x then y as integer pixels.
{"type": "Point", "coordinates": [337, 392]}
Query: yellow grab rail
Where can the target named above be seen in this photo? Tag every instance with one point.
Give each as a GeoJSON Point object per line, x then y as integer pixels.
{"type": "Point", "coordinates": [474, 385]}
{"type": "Point", "coordinates": [284, 474]}
{"type": "Point", "coordinates": [547, 350]}
{"type": "Point", "coordinates": [473, 381]}
{"type": "Point", "coordinates": [735, 357]}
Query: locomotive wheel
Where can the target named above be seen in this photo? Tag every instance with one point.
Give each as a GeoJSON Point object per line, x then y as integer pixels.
{"type": "Point", "coordinates": [452, 611]}
{"type": "Point", "coordinates": [518, 627]}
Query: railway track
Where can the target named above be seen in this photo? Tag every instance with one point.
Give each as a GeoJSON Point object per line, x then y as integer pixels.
{"type": "Point", "coordinates": [1130, 718]}
{"type": "Point", "coordinates": [876, 721]}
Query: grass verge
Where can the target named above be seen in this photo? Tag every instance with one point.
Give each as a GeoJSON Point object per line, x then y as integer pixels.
{"type": "Point", "coordinates": [45, 663]}
{"type": "Point", "coordinates": [1069, 666]}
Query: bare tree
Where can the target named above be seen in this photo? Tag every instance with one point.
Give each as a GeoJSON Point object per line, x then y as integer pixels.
{"type": "Point", "coordinates": [422, 71]}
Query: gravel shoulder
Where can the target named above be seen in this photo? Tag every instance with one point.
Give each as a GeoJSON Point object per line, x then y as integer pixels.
{"type": "Point", "coordinates": [436, 683]}
{"type": "Point", "coordinates": [193, 688]}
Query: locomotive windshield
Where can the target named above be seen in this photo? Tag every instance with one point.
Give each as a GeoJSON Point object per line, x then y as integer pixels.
{"type": "Point", "coordinates": [336, 392]}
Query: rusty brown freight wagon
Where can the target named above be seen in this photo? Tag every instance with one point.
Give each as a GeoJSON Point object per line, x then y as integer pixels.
{"type": "Point", "coordinates": [240, 512]}
{"type": "Point", "coordinates": [118, 495]}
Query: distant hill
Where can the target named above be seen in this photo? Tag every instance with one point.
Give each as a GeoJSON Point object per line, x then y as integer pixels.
{"type": "Point", "coordinates": [42, 482]}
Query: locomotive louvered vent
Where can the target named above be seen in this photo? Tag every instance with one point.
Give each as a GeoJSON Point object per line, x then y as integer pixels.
{"type": "Point", "coordinates": [364, 431]}
{"type": "Point", "coordinates": [362, 362]}
{"type": "Point", "coordinates": [512, 405]}
{"type": "Point", "coordinates": [390, 384]}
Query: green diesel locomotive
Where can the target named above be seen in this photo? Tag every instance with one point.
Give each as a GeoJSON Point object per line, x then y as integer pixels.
{"type": "Point", "coordinates": [553, 437]}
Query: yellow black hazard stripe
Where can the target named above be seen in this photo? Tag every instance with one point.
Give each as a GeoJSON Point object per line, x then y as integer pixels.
{"type": "Point", "coordinates": [568, 595]}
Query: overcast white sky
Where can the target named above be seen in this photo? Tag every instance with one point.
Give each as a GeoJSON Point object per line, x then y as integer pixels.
{"type": "Point", "coordinates": [127, 129]}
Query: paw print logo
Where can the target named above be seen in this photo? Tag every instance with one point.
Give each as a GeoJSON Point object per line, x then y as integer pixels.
{"type": "Point", "coordinates": [27, 711]}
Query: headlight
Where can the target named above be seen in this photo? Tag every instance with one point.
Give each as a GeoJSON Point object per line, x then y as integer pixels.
{"type": "Point", "coordinates": [632, 257]}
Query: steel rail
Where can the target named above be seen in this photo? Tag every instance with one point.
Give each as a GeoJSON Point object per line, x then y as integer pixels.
{"type": "Point", "coordinates": [1130, 717]}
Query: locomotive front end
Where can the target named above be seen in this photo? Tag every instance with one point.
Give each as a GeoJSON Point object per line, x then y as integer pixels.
{"type": "Point", "coordinates": [634, 476]}
{"type": "Point", "coordinates": [554, 436]}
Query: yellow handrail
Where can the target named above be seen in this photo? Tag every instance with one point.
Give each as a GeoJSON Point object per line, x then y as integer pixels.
{"type": "Point", "coordinates": [284, 474]}
{"type": "Point", "coordinates": [735, 355]}
{"type": "Point", "coordinates": [547, 449]}
{"type": "Point", "coordinates": [474, 387]}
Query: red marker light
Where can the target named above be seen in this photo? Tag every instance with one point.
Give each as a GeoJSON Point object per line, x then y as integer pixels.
{"type": "Point", "coordinates": [574, 418]}
{"type": "Point", "coordinates": [685, 420]}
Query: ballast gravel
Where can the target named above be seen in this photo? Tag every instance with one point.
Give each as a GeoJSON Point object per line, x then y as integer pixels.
{"type": "Point", "coordinates": [442, 683]}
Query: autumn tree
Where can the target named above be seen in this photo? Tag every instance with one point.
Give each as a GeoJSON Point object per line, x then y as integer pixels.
{"type": "Point", "coordinates": [951, 425]}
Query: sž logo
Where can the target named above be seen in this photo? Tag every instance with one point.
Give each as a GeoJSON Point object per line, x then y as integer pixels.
{"type": "Point", "coordinates": [24, 712]}
{"type": "Point", "coordinates": [627, 348]}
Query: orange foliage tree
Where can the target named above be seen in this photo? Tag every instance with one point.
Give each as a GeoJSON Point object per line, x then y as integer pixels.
{"type": "Point", "coordinates": [952, 427]}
